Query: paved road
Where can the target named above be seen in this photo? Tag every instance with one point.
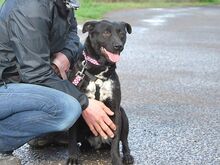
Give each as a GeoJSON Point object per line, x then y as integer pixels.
{"type": "Point", "coordinates": [170, 76]}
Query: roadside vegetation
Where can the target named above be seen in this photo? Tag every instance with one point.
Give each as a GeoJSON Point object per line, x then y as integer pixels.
{"type": "Point", "coordinates": [1, 1]}
{"type": "Point", "coordinates": [95, 9]}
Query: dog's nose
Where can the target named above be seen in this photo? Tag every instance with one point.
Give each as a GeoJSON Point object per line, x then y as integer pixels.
{"type": "Point", "coordinates": [118, 47]}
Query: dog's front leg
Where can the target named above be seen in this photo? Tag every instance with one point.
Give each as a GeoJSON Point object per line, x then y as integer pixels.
{"type": "Point", "coordinates": [127, 157]}
{"type": "Point", "coordinates": [115, 155]}
{"type": "Point", "coordinates": [73, 147]}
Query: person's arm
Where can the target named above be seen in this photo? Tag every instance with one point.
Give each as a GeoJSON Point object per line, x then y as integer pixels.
{"type": "Point", "coordinates": [29, 30]}
{"type": "Point", "coordinates": [72, 48]}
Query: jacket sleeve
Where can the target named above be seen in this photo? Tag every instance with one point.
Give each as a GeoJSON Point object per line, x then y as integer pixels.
{"type": "Point", "coordinates": [29, 36]}
{"type": "Point", "coordinates": [72, 47]}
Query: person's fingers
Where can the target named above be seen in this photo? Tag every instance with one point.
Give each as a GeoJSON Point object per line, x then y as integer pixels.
{"type": "Point", "coordinates": [63, 75]}
{"type": "Point", "coordinates": [109, 122]}
{"type": "Point", "coordinates": [100, 131]}
{"type": "Point", "coordinates": [107, 110]}
{"type": "Point", "coordinates": [106, 119]}
{"type": "Point", "coordinates": [56, 70]}
{"type": "Point", "coordinates": [106, 129]}
{"type": "Point", "coordinates": [92, 128]}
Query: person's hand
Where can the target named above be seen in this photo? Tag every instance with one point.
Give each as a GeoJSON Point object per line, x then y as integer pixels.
{"type": "Point", "coordinates": [96, 117]}
{"type": "Point", "coordinates": [56, 70]}
{"type": "Point", "coordinates": [61, 63]}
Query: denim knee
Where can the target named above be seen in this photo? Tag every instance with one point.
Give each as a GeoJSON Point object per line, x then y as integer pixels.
{"type": "Point", "coordinates": [69, 111]}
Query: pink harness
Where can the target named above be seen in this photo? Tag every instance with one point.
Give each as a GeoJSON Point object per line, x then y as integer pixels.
{"type": "Point", "coordinates": [91, 60]}
{"type": "Point", "coordinates": [80, 74]}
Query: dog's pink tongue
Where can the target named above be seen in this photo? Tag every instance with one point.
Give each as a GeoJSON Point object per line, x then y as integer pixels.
{"type": "Point", "coordinates": [113, 57]}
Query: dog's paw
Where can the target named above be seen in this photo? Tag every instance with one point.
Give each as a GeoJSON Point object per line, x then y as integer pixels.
{"type": "Point", "coordinates": [117, 161]}
{"type": "Point", "coordinates": [73, 161]}
{"type": "Point", "coordinates": [128, 159]}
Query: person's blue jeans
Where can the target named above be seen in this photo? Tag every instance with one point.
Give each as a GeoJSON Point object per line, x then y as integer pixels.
{"type": "Point", "coordinates": [29, 111]}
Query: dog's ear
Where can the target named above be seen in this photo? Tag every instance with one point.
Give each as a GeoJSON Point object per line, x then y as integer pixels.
{"type": "Point", "coordinates": [127, 27]}
{"type": "Point", "coordinates": [89, 26]}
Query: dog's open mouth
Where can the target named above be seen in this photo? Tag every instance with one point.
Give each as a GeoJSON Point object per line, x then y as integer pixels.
{"type": "Point", "coordinates": [113, 57]}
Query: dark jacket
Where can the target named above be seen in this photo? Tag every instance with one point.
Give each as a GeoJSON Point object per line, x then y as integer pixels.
{"type": "Point", "coordinates": [30, 32]}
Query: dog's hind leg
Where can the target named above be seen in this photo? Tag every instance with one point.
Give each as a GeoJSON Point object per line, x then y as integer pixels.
{"type": "Point", "coordinates": [73, 147]}
{"type": "Point", "coordinates": [127, 157]}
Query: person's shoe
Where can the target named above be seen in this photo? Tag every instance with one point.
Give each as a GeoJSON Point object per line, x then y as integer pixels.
{"type": "Point", "coordinates": [40, 142]}
{"type": "Point", "coordinates": [9, 159]}
{"type": "Point", "coordinates": [55, 139]}
{"type": "Point", "coordinates": [61, 139]}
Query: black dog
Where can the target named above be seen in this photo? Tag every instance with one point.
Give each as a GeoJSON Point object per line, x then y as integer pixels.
{"type": "Point", "coordinates": [95, 75]}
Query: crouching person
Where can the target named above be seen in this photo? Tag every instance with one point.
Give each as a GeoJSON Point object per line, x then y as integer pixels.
{"type": "Point", "coordinates": [34, 99]}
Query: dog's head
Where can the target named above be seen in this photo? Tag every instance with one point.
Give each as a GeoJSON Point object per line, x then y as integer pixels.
{"type": "Point", "coordinates": [106, 39]}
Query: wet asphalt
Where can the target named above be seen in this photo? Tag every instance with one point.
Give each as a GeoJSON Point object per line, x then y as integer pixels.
{"type": "Point", "coordinates": [170, 80]}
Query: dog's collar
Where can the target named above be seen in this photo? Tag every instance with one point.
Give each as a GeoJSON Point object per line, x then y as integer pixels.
{"type": "Point", "coordinates": [80, 75]}
{"type": "Point", "coordinates": [90, 59]}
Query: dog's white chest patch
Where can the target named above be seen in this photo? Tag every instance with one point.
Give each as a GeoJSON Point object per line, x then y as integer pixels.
{"type": "Point", "coordinates": [103, 87]}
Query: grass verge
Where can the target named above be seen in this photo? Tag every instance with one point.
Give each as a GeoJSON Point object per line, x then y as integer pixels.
{"type": "Point", "coordinates": [1, 1]}
{"type": "Point", "coordinates": [95, 10]}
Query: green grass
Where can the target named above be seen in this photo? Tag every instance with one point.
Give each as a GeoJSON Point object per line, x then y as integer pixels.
{"type": "Point", "coordinates": [95, 10]}
{"type": "Point", "coordinates": [1, 1]}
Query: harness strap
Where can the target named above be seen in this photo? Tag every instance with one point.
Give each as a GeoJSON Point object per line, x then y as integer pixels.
{"type": "Point", "coordinates": [91, 77]}
{"type": "Point", "coordinates": [77, 80]}
{"type": "Point", "coordinates": [79, 76]}
{"type": "Point", "coordinates": [90, 59]}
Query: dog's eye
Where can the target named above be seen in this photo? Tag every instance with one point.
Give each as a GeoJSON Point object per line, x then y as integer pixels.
{"type": "Point", "coordinates": [121, 34]}
{"type": "Point", "coordinates": [106, 34]}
